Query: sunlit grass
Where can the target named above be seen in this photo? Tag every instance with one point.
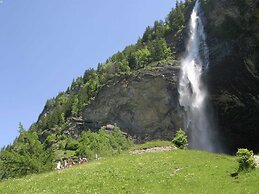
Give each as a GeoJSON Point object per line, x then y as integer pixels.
{"type": "Point", "coordinates": [151, 144]}
{"type": "Point", "coordinates": [178, 171]}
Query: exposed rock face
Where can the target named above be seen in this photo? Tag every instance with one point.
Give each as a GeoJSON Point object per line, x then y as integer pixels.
{"type": "Point", "coordinates": [144, 104]}
{"type": "Point", "coordinates": [233, 30]}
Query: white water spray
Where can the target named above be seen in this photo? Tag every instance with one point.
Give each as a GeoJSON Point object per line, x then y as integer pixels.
{"type": "Point", "coordinates": [192, 92]}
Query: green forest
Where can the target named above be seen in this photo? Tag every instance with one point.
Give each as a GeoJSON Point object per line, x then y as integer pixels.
{"type": "Point", "coordinates": [55, 135]}
{"type": "Point", "coordinates": [37, 149]}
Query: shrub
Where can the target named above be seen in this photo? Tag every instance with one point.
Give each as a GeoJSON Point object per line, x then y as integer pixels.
{"type": "Point", "coordinates": [245, 159]}
{"type": "Point", "coordinates": [118, 140]}
{"type": "Point", "coordinates": [71, 144]}
{"type": "Point", "coordinates": [102, 143]}
{"type": "Point", "coordinates": [180, 139]}
{"type": "Point", "coordinates": [27, 156]}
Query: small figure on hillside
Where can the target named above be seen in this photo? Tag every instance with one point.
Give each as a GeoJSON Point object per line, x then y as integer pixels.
{"type": "Point", "coordinates": [70, 162]}
{"type": "Point", "coordinates": [82, 160]}
{"type": "Point", "coordinates": [59, 166]}
{"type": "Point", "coordinates": [85, 160]}
{"type": "Point", "coordinates": [65, 164]}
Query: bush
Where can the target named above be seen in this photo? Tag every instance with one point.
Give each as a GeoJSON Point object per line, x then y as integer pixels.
{"type": "Point", "coordinates": [71, 144]}
{"type": "Point", "coordinates": [102, 143]}
{"type": "Point", "coordinates": [180, 139]}
{"type": "Point", "coordinates": [27, 156]}
{"type": "Point", "coordinates": [245, 159]}
{"type": "Point", "coordinates": [118, 141]}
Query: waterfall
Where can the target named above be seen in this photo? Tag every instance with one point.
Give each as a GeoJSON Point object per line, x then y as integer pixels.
{"type": "Point", "coordinates": [192, 90]}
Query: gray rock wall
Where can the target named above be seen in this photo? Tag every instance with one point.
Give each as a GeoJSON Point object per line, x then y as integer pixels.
{"type": "Point", "coordinates": [144, 104]}
{"type": "Point", "coordinates": [232, 34]}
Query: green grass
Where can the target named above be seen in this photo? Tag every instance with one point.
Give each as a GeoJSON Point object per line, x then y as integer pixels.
{"type": "Point", "coordinates": [151, 144]}
{"type": "Point", "coordinates": [178, 171]}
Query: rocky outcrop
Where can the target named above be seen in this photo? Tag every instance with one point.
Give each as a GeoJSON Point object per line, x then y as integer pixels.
{"type": "Point", "coordinates": [144, 104]}
{"type": "Point", "coordinates": [232, 34]}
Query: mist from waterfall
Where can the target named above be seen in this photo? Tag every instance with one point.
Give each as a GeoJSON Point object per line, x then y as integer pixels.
{"type": "Point", "coordinates": [192, 91]}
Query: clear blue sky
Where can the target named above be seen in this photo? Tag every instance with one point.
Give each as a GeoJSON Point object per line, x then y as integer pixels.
{"type": "Point", "coordinates": [44, 44]}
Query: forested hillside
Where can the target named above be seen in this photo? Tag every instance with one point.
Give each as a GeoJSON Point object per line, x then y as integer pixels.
{"type": "Point", "coordinates": [135, 91]}
{"type": "Point", "coordinates": [58, 132]}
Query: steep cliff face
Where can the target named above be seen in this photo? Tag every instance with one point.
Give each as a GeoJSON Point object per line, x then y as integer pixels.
{"type": "Point", "coordinates": [144, 104]}
{"type": "Point", "coordinates": [137, 89]}
{"type": "Point", "coordinates": [232, 34]}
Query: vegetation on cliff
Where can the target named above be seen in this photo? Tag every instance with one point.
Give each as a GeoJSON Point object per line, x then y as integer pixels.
{"type": "Point", "coordinates": [61, 131]}
{"type": "Point", "coordinates": [52, 137]}
{"type": "Point", "coordinates": [28, 155]}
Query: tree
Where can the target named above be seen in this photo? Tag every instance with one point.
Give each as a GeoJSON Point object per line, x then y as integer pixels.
{"type": "Point", "coordinates": [180, 139]}
{"type": "Point", "coordinates": [71, 144]}
{"type": "Point", "coordinates": [159, 50]}
{"type": "Point", "coordinates": [26, 156]}
{"type": "Point", "coordinates": [89, 74]}
{"type": "Point", "coordinates": [75, 108]}
{"type": "Point", "coordinates": [21, 128]}
{"type": "Point", "coordinates": [147, 34]}
{"type": "Point", "coordinates": [103, 143]}
{"type": "Point", "coordinates": [84, 148]}
{"type": "Point", "coordinates": [120, 62]}
{"type": "Point", "coordinates": [246, 160]}
{"type": "Point", "coordinates": [133, 61]}
{"type": "Point", "coordinates": [159, 29]}
{"type": "Point", "coordinates": [122, 66]}
{"type": "Point", "coordinates": [142, 57]}
{"type": "Point", "coordinates": [118, 140]}
{"type": "Point", "coordinates": [176, 19]}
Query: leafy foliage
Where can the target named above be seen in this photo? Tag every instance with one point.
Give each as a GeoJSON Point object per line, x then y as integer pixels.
{"type": "Point", "coordinates": [72, 144]}
{"type": "Point", "coordinates": [180, 139]}
{"type": "Point", "coordinates": [32, 152]}
{"type": "Point", "coordinates": [159, 49]}
{"type": "Point", "coordinates": [155, 45]}
{"type": "Point", "coordinates": [246, 160]}
{"type": "Point", "coordinates": [26, 156]}
{"type": "Point", "coordinates": [102, 143]}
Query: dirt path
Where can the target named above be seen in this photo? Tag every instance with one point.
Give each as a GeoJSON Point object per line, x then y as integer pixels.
{"type": "Point", "coordinates": [155, 149]}
{"type": "Point", "coordinates": [257, 161]}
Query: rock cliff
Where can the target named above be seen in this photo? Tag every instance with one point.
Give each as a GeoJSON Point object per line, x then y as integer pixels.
{"type": "Point", "coordinates": [144, 104]}
{"type": "Point", "coordinates": [233, 39]}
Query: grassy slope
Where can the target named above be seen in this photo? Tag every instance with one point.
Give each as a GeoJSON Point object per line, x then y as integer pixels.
{"type": "Point", "coordinates": [168, 172]}
{"type": "Point", "coordinates": [151, 144]}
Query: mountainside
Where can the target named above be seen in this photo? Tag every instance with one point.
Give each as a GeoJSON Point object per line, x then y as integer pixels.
{"type": "Point", "coordinates": [144, 104]}
{"type": "Point", "coordinates": [137, 89]}
{"type": "Point", "coordinates": [151, 110]}
{"type": "Point", "coordinates": [233, 39]}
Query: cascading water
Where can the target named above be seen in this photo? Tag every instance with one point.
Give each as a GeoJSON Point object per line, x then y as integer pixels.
{"type": "Point", "coordinates": [192, 91]}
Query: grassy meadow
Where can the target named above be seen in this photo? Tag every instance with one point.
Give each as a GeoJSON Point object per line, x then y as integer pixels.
{"type": "Point", "coordinates": [177, 171]}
